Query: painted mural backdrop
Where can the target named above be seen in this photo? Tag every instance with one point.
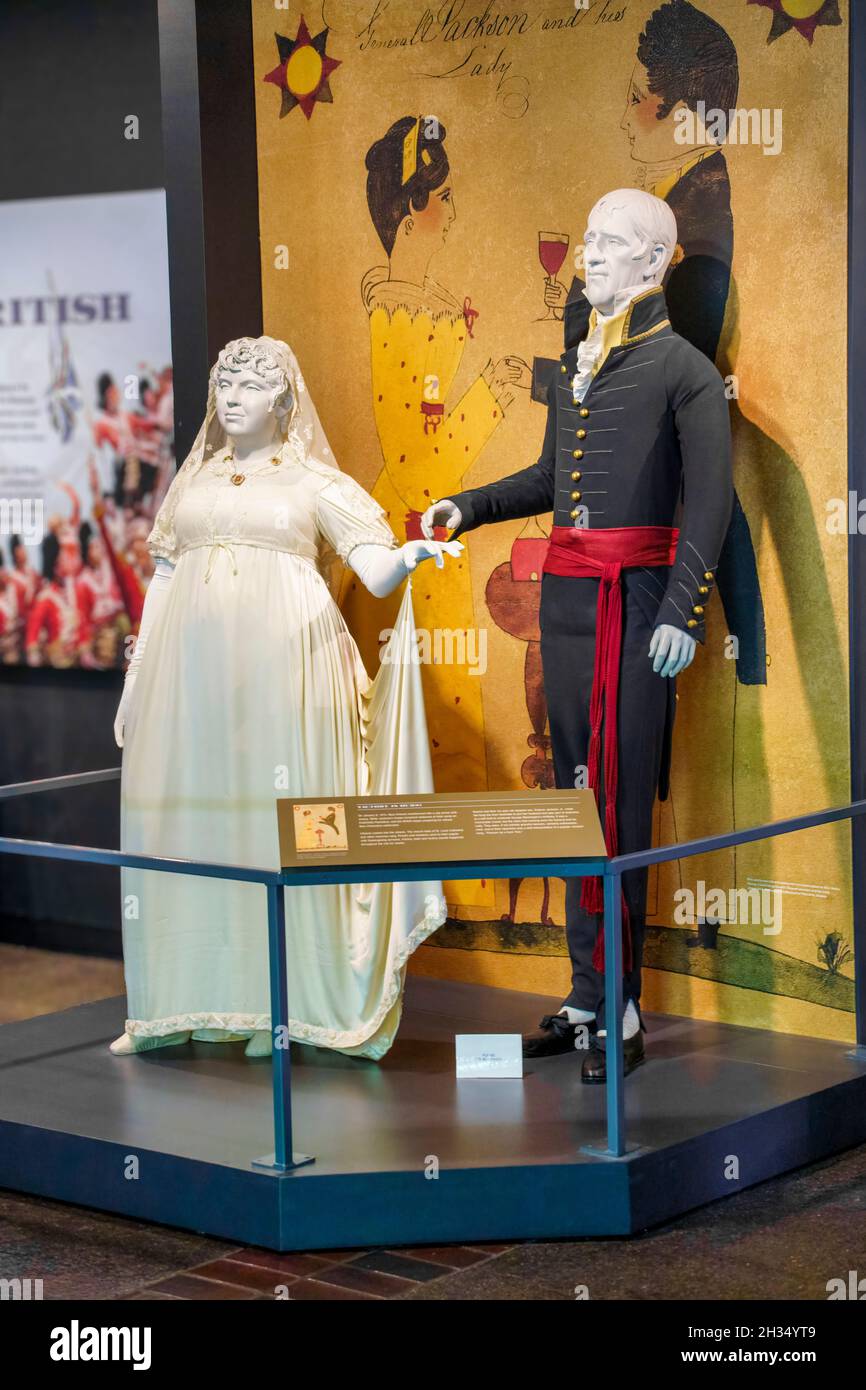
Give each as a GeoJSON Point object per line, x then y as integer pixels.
{"type": "Point", "coordinates": [425, 174]}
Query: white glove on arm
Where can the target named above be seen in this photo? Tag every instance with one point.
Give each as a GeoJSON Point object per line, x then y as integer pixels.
{"type": "Point", "coordinates": [444, 513]}
{"type": "Point", "coordinates": [154, 602]}
{"type": "Point", "coordinates": [381, 569]}
{"type": "Point", "coordinates": [671, 650]}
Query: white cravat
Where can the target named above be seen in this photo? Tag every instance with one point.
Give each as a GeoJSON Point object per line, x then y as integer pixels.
{"type": "Point", "coordinates": [588, 351]}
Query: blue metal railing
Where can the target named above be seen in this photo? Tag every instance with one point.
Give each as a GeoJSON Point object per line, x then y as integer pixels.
{"type": "Point", "coordinates": [614, 869]}
{"type": "Point", "coordinates": [284, 1159]}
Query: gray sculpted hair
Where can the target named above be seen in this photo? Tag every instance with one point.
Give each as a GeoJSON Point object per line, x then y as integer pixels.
{"type": "Point", "coordinates": [652, 218]}
{"type": "Point", "coordinates": [266, 357]}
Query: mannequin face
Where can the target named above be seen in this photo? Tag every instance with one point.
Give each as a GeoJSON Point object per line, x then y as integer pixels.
{"type": "Point", "coordinates": [245, 407]}
{"type": "Point", "coordinates": [617, 257]}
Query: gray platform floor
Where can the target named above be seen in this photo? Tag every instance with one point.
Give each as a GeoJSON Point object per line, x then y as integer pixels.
{"type": "Point", "coordinates": [210, 1102]}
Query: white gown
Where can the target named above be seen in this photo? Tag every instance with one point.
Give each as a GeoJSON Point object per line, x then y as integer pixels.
{"type": "Point", "coordinates": [251, 687]}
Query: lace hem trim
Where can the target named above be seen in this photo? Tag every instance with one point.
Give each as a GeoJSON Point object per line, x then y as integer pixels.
{"type": "Point", "coordinates": [435, 913]}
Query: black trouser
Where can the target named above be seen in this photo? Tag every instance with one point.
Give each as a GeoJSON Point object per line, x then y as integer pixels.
{"type": "Point", "coordinates": [568, 614]}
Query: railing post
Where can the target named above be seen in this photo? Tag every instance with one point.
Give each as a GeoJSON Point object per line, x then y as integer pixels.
{"type": "Point", "coordinates": [613, 1013]}
{"type": "Point", "coordinates": [282, 1063]}
{"type": "Point", "coordinates": [283, 1159]}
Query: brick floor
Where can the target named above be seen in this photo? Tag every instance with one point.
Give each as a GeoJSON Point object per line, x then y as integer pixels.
{"type": "Point", "coordinates": [372, 1274]}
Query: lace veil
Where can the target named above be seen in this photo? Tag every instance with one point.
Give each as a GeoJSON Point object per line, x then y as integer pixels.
{"type": "Point", "coordinates": [303, 431]}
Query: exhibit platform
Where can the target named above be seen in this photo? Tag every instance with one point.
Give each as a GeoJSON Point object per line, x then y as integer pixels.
{"type": "Point", "coordinates": [405, 1154]}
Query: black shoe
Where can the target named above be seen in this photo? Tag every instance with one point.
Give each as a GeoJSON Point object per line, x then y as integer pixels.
{"type": "Point", "coordinates": [594, 1070]}
{"type": "Point", "coordinates": [555, 1035]}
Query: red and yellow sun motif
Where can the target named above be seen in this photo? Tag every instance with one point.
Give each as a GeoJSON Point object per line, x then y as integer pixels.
{"type": "Point", "coordinates": [802, 15]}
{"type": "Point", "coordinates": [303, 70]}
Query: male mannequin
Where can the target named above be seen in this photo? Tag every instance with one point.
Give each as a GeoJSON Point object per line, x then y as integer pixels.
{"type": "Point", "coordinates": [637, 425]}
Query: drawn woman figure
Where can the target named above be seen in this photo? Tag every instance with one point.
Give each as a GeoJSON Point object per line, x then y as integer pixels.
{"type": "Point", "coordinates": [419, 332]}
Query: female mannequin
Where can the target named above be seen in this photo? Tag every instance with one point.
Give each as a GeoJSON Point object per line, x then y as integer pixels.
{"type": "Point", "coordinates": [246, 685]}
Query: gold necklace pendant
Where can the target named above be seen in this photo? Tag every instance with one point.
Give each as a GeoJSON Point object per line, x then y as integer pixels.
{"type": "Point", "coordinates": [238, 478]}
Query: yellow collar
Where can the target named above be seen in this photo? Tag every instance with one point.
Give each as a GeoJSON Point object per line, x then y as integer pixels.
{"type": "Point", "coordinates": [615, 330]}
{"type": "Point", "coordinates": [668, 181]}
{"type": "Point", "coordinates": [611, 335]}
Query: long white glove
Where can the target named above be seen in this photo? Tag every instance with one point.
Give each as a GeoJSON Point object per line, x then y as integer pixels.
{"type": "Point", "coordinates": [380, 570]}
{"type": "Point", "coordinates": [154, 602]}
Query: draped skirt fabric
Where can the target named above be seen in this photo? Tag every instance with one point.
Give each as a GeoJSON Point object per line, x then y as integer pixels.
{"type": "Point", "coordinates": [251, 688]}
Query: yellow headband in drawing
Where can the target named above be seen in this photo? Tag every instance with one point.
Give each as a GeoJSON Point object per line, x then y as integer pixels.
{"type": "Point", "coordinates": [410, 152]}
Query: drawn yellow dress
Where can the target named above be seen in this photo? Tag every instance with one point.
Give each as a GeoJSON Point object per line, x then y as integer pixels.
{"type": "Point", "coordinates": [418, 335]}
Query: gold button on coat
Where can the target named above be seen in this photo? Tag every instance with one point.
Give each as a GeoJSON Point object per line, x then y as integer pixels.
{"type": "Point", "coordinates": [584, 410]}
{"type": "Point", "coordinates": [702, 589]}
{"type": "Point", "coordinates": [581, 434]}
{"type": "Point", "coordinates": [692, 622]}
{"type": "Point", "coordinates": [575, 497]}
{"type": "Point", "coordinates": [697, 608]}
{"type": "Point", "coordinates": [708, 574]}
{"type": "Point", "coordinates": [578, 453]}
{"type": "Point", "coordinates": [576, 476]}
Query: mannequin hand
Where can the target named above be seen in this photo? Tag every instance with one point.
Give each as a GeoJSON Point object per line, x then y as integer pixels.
{"type": "Point", "coordinates": [671, 650]}
{"type": "Point", "coordinates": [413, 552]}
{"type": "Point", "coordinates": [124, 707]}
{"type": "Point", "coordinates": [441, 514]}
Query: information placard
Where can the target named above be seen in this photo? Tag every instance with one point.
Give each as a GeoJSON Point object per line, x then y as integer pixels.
{"type": "Point", "coordinates": [437, 826]}
{"type": "Point", "coordinates": [488, 1055]}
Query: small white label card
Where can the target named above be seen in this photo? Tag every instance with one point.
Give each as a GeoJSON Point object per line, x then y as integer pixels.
{"type": "Point", "coordinates": [489, 1054]}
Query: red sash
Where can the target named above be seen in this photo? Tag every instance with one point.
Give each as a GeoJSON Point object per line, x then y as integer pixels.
{"type": "Point", "coordinates": [603, 554]}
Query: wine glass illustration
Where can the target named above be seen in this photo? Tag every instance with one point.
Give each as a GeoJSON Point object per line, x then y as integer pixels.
{"type": "Point", "coordinates": [552, 250]}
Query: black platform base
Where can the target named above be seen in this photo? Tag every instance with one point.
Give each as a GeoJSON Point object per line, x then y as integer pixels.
{"type": "Point", "coordinates": [405, 1153]}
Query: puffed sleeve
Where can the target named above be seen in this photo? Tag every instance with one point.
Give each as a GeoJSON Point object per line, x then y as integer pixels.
{"type": "Point", "coordinates": [347, 516]}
